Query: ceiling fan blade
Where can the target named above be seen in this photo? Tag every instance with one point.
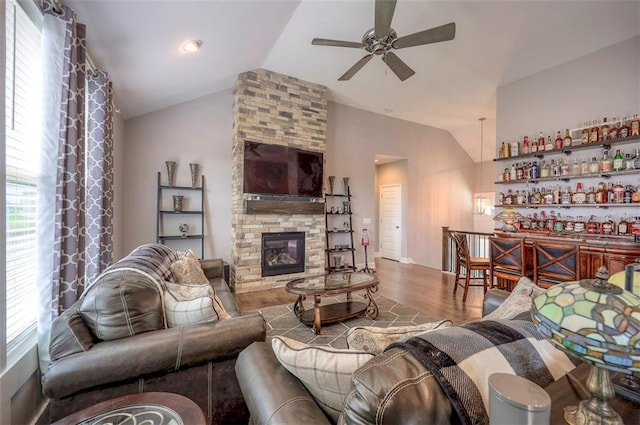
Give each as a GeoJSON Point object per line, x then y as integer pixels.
{"type": "Point", "coordinates": [433, 35]}
{"type": "Point", "coordinates": [355, 68]}
{"type": "Point", "coordinates": [336, 43]}
{"type": "Point", "coordinates": [383, 16]}
{"type": "Point", "coordinates": [398, 67]}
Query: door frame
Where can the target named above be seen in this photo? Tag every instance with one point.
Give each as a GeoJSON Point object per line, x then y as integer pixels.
{"type": "Point", "coordinates": [401, 215]}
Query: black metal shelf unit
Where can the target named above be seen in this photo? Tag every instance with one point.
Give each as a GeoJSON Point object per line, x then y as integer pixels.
{"type": "Point", "coordinates": [339, 206]}
{"type": "Point", "coordinates": [163, 236]}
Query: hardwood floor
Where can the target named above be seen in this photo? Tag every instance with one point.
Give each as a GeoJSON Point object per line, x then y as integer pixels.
{"type": "Point", "coordinates": [426, 289]}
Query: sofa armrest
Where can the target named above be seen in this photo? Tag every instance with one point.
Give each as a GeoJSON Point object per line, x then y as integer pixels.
{"type": "Point", "coordinates": [154, 352]}
{"type": "Point", "coordinates": [492, 300]}
{"type": "Point", "coordinates": [274, 396]}
{"type": "Point", "coordinates": [213, 268]}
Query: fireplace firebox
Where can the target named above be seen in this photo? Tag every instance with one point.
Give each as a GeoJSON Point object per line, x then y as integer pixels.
{"type": "Point", "coordinates": [282, 253]}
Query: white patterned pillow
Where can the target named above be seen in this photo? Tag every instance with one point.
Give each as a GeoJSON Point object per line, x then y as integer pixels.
{"type": "Point", "coordinates": [188, 304]}
{"type": "Point", "coordinates": [324, 371]}
{"type": "Point", "coordinates": [374, 340]}
{"type": "Point", "coordinates": [187, 269]}
{"type": "Point", "coordinates": [518, 301]}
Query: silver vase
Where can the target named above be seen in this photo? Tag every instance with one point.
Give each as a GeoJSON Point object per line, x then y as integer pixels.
{"type": "Point", "coordinates": [171, 169]}
{"type": "Point", "coordinates": [345, 180]}
{"type": "Point", "coordinates": [194, 175]}
{"type": "Point", "coordinates": [332, 179]}
{"type": "Point", "coordinates": [177, 203]}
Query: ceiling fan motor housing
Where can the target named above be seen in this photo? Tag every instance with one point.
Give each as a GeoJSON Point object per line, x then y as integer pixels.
{"type": "Point", "coordinates": [376, 46]}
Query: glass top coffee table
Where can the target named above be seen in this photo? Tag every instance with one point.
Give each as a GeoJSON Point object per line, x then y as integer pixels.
{"type": "Point", "coordinates": [333, 284]}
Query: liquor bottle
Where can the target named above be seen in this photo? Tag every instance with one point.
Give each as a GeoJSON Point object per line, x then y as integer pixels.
{"type": "Point", "coordinates": [584, 134]}
{"type": "Point", "coordinates": [569, 224]}
{"type": "Point", "coordinates": [623, 225]}
{"type": "Point", "coordinates": [618, 161]}
{"type": "Point", "coordinates": [559, 224]}
{"type": "Point", "coordinates": [565, 197]}
{"type": "Point", "coordinates": [515, 148]}
{"type": "Point", "coordinates": [555, 167]}
{"type": "Point", "coordinates": [513, 173]}
{"type": "Point", "coordinates": [625, 130]}
{"type": "Point", "coordinates": [579, 197]}
{"type": "Point", "coordinates": [540, 142]}
{"type": "Point", "coordinates": [618, 193]}
{"type": "Point", "coordinates": [508, 199]}
{"type": "Point", "coordinates": [519, 197]}
{"type": "Point", "coordinates": [559, 140]}
{"type": "Point", "coordinates": [635, 196]}
{"type": "Point", "coordinates": [579, 225]}
{"type": "Point", "coordinates": [610, 193]}
{"type": "Point", "coordinates": [628, 191]}
{"type": "Point", "coordinates": [549, 145]}
{"type": "Point", "coordinates": [548, 197]}
{"type": "Point", "coordinates": [533, 146]}
{"type": "Point", "coordinates": [556, 194]}
{"type": "Point", "coordinates": [608, 226]}
{"type": "Point", "coordinates": [500, 198]}
{"type": "Point", "coordinates": [565, 168]}
{"type": "Point", "coordinates": [591, 196]}
{"type": "Point", "coordinates": [584, 166]}
{"type": "Point", "coordinates": [536, 197]}
{"type": "Point", "coordinates": [604, 131]}
{"type": "Point", "coordinates": [520, 171]}
{"type": "Point", "coordinates": [594, 166]}
{"type": "Point", "coordinates": [636, 160]}
{"type": "Point", "coordinates": [535, 170]}
{"type": "Point", "coordinates": [545, 171]}
{"type": "Point", "coordinates": [567, 141]}
{"type": "Point", "coordinates": [525, 145]}
{"type": "Point", "coordinates": [605, 163]}
{"type": "Point", "coordinates": [601, 194]}
{"type": "Point", "coordinates": [614, 130]}
{"type": "Point", "coordinates": [628, 161]}
{"type": "Point", "coordinates": [594, 132]}
{"type": "Point", "coordinates": [575, 167]}
{"type": "Point", "coordinates": [592, 225]}
{"type": "Point", "coordinates": [635, 126]}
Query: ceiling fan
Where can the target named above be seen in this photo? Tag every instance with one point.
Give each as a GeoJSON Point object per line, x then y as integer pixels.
{"type": "Point", "coordinates": [380, 39]}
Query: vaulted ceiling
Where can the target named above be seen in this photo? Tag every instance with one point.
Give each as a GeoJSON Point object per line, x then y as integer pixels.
{"type": "Point", "coordinates": [138, 42]}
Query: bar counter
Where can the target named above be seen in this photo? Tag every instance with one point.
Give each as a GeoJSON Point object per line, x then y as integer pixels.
{"type": "Point", "coordinates": [594, 251]}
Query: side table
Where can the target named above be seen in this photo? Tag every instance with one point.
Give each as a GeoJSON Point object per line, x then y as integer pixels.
{"type": "Point", "coordinates": [154, 408]}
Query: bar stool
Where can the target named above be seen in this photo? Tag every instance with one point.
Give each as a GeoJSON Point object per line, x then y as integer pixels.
{"type": "Point", "coordinates": [507, 261]}
{"type": "Point", "coordinates": [469, 263]}
{"type": "Point", "coordinates": [554, 263]}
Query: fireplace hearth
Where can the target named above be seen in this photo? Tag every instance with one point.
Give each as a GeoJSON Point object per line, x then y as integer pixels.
{"type": "Point", "coordinates": [283, 253]}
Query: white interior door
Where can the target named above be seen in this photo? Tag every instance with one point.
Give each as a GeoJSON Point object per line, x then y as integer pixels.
{"type": "Point", "coordinates": [390, 221]}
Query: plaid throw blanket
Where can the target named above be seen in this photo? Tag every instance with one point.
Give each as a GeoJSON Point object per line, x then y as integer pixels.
{"type": "Point", "coordinates": [462, 358]}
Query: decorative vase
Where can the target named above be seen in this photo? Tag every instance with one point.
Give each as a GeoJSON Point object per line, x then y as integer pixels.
{"type": "Point", "coordinates": [332, 179]}
{"type": "Point", "coordinates": [177, 203]}
{"type": "Point", "coordinates": [171, 169]}
{"type": "Point", "coordinates": [194, 175]}
{"type": "Point", "coordinates": [345, 180]}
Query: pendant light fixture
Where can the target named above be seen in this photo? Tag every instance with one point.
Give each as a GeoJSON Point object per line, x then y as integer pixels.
{"type": "Point", "coordinates": [480, 200]}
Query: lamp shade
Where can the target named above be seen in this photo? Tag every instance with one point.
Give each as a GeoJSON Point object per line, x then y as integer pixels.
{"type": "Point", "coordinates": [508, 216]}
{"type": "Point", "coordinates": [593, 320]}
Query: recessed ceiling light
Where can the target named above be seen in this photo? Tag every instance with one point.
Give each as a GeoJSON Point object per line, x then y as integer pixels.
{"type": "Point", "coordinates": [388, 110]}
{"type": "Point", "coordinates": [192, 46]}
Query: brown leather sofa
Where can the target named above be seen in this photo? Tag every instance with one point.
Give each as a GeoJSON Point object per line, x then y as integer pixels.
{"type": "Point", "coordinates": [196, 360]}
{"type": "Point", "coordinates": [392, 388]}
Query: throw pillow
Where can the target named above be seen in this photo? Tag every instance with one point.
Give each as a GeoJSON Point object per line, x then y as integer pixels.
{"type": "Point", "coordinates": [324, 371]}
{"type": "Point", "coordinates": [186, 269]}
{"type": "Point", "coordinates": [518, 301]}
{"type": "Point", "coordinates": [189, 304]}
{"type": "Point", "coordinates": [374, 339]}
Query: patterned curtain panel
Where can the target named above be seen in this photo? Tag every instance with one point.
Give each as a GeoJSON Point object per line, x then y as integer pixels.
{"type": "Point", "coordinates": [61, 250]}
{"type": "Point", "coordinates": [99, 201]}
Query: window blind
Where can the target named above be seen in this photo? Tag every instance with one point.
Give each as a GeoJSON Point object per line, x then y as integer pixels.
{"type": "Point", "coordinates": [22, 121]}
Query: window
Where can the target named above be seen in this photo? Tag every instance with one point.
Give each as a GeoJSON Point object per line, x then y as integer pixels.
{"type": "Point", "coordinates": [22, 102]}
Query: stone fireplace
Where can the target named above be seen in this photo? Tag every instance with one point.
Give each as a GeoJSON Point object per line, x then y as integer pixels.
{"type": "Point", "coordinates": [276, 109]}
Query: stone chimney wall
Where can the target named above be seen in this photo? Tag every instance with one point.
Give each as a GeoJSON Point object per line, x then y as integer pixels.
{"type": "Point", "coordinates": [276, 109]}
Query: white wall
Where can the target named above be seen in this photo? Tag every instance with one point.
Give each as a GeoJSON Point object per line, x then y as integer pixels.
{"type": "Point", "coordinates": [603, 84]}
{"type": "Point", "coordinates": [440, 175]}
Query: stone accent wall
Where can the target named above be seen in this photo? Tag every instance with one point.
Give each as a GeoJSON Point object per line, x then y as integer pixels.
{"type": "Point", "coordinates": [273, 108]}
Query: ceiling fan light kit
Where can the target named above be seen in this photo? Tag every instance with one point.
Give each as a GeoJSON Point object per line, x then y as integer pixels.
{"type": "Point", "coordinates": [380, 39]}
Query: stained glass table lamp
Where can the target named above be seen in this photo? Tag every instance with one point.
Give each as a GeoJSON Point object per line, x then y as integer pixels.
{"type": "Point", "coordinates": [596, 322]}
{"type": "Point", "coordinates": [509, 216]}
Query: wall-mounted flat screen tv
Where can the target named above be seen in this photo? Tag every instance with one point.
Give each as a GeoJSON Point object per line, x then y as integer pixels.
{"type": "Point", "coordinates": [281, 170]}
